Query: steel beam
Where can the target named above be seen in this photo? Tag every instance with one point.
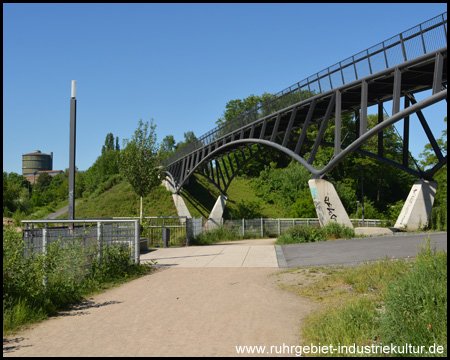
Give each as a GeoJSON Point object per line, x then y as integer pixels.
{"type": "Point", "coordinates": [337, 124]}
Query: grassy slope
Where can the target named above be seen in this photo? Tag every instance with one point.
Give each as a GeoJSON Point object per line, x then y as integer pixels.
{"type": "Point", "coordinates": [199, 196]}
{"type": "Point", "coordinates": [121, 200]}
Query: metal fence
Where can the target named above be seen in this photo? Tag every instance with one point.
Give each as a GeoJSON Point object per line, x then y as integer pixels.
{"type": "Point", "coordinates": [424, 38]}
{"type": "Point", "coordinates": [275, 227]}
{"type": "Point", "coordinates": [181, 229]}
{"type": "Point", "coordinates": [79, 242]}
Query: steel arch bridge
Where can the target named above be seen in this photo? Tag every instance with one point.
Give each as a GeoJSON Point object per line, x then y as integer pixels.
{"type": "Point", "coordinates": [396, 69]}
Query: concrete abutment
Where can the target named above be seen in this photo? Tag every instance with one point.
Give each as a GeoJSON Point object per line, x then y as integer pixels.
{"type": "Point", "coordinates": [328, 205]}
{"type": "Point", "coordinates": [416, 211]}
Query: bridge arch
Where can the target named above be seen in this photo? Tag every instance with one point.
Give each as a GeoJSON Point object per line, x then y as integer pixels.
{"type": "Point", "coordinates": [236, 145]}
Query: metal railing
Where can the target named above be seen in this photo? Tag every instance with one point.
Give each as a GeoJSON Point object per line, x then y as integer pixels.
{"type": "Point", "coordinates": [276, 227]}
{"type": "Point", "coordinates": [79, 242]}
{"type": "Point", "coordinates": [181, 229]}
{"type": "Point", "coordinates": [426, 37]}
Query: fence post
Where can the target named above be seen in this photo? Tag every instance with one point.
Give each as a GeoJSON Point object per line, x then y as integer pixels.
{"type": "Point", "coordinates": [243, 227]}
{"type": "Point", "coordinates": [186, 230]}
{"type": "Point", "coordinates": [262, 228]}
{"type": "Point", "coordinates": [99, 243]}
{"type": "Point", "coordinates": [44, 252]}
{"type": "Point", "coordinates": [136, 241]}
{"type": "Point", "coordinates": [279, 227]}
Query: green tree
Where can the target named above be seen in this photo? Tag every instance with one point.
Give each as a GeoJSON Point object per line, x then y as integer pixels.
{"type": "Point", "coordinates": [43, 182]}
{"type": "Point", "coordinates": [167, 146]}
{"type": "Point", "coordinates": [428, 157]}
{"type": "Point", "coordinates": [109, 143]}
{"type": "Point", "coordinates": [139, 161]}
{"type": "Point", "coordinates": [189, 137]}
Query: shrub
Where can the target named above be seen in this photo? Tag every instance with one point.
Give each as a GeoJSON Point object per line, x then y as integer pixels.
{"type": "Point", "coordinates": [335, 230]}
{"type": "Point", "coordinates": [302, 234]}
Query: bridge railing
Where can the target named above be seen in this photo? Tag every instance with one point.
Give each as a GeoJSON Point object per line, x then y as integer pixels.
{"type": "Point", "coordinates": [419, 40]}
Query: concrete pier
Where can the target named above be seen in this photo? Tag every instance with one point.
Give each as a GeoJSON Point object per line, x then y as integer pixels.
{"type": "Point", "coordinates": [416, 211]}
{"type": "Point", "coordinates": [180, 205]}
{"type": "Point", "coordinates": [215, 217]}
{"type": "Point", "coordinates": [328, 205]}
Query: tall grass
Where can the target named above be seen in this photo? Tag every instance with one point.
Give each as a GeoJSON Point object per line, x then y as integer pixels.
{"type": "Point", "coordinates": [305, 234]}
{"type": "Point", "coordinates": [416, 305]}
{"type": "Point", "coordinates": [37, 286]}
{"type": "Point", "coordinates": [386, 302]}
{"type": "Point", "coordinates": [216, 235]}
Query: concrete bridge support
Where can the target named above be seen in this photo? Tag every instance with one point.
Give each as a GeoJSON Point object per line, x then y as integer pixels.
{"type": "Point", "coordinates": [416, 211]}
{"type": "Point", "coordinates": [180, 205]}
{"type": "Point", "coordinates": [216, 213]}
{"type": "Point", "coordinates": [328, 204]}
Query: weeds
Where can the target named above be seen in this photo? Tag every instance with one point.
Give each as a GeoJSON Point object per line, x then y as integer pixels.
{"type": "Point", "coordinates": [386, 302]}
{"type": "Point", "coordinates": [305, 234]}
{"type": "Point", "coordinates": [37, 286]}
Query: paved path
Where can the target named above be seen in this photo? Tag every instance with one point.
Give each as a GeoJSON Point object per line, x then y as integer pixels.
{"type": "Point", "coordinates": [358, 250]}
{"type": "Point", "coordinates": [263, 253]}
{"type": "Point", "coordinates": [60, 211]}
{"type": "Point", "coordinates": [246, 253]}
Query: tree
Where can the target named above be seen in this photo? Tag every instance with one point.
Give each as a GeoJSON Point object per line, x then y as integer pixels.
{"type": "Point", "coordinates": [188, 138]}
{"type": "Point", "coordinates": [428, 157]}
{"type": "Point", "coordinates": [139, 161]}
{"type": "Point", "coordinates": [168, 146]}
{"type": "Point", "coordinates": [109, 143]}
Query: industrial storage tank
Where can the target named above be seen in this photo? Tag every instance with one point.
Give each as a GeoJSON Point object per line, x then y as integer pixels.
{"type": "Point", "coordinates": [37, 161]}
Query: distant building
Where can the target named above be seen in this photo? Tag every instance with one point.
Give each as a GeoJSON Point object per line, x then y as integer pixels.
{"type": "Point", "coordinates": [32, 176]}
{"type": "Point", "coordinates": [36, 163]}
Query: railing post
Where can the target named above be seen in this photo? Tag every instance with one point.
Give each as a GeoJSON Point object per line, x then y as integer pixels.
{"type": "Point", "coordinates": [262, 228]}
{"type": "Point", "coordinates": [44, 253]}
{"type": "Point", "coordinates": [243, 227]}
{"type": "Point", "coordinates": [279, 227]}
{"type": "Point", "coordinates": [136, 241]}
{"type": "Point", "coordinates": [99, 243]}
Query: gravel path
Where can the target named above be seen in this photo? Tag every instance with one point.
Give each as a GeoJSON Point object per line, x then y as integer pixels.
{"type": "Point", "coordinates": [173, 312]}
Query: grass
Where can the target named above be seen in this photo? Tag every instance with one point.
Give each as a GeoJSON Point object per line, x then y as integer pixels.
{"type": "Point", "coordinates": [121, 200]}
{"type": "Point", "coordinates": [200, 196]}
{"type": "Point", "coordinates": [381, 303]}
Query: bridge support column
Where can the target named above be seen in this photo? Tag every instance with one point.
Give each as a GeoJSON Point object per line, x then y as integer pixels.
{"type": "Point", "coordinates": [416, 211]}
{"type": "Point", "coordinates": [180, 205]}
{"type": "Point", "coordinates": [328, 204]}
{"type": "Point", "coordinates": [216, 213]}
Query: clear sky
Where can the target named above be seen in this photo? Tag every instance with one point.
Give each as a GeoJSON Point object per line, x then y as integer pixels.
{"type": "Point", "coordinates": [176, 63]}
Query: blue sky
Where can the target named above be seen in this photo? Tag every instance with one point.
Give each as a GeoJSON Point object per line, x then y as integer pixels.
{"type": "Point", "coordinates": [176, 63]}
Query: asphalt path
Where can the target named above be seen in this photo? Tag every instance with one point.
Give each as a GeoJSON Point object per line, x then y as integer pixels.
{"type": "Point", "coordinates": [60, 211]}
{"type": "Point", "coordinates": [357, 250]}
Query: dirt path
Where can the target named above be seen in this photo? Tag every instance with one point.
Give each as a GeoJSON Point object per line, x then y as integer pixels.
{"type": "Point", "coordinates": [173, 312]}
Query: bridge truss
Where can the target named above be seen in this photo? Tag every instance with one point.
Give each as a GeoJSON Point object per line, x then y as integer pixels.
{"type": "Point", "coordinates": [394, 70]}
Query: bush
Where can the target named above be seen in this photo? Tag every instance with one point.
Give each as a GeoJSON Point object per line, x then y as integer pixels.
{"type": "Point", "coordinates": [335, 230]}
{"type": "Point", "coordinates": [302, 234]}
{"type": "Point", "coordinates": [305, 234]}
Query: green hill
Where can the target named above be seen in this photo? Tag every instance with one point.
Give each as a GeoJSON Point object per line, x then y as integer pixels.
{"type": "Point", "coordinates": [199, 196]}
